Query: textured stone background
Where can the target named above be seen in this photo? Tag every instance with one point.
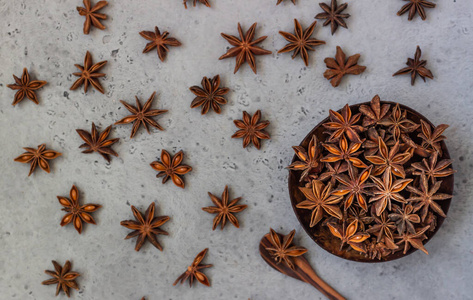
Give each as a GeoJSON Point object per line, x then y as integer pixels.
{"type": "Point", "coordinates": [46, 37]}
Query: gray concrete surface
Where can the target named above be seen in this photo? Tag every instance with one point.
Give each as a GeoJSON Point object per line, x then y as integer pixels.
{"type": "Point", "coordinates": [46, 37]}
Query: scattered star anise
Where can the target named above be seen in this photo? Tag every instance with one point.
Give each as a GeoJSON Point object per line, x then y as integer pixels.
{"type": "Point", "coordinates": [425, 197]}
{"type": "Point", "coordinates": [354, 186]}
{"type": "Point", "coordinates": [204, 2]}
{"type": "Point", "coordinates": [98, 142]}
{"type": "Point", "coordinates": [63, 278]}
{"type": "Point", "coordinates": [309, 160]}
{"type": "Point", "coordinates": [389, 160]}
{"type": "Point", "coordinates": [37, 157]}
{"type": "Point", "coordinates": [332, 171]}
{"type": "Point", "coordinates": [416, 67]}
{"type": "Point", "coordinates": [159, 41]}
{"type": "Point", "coordinates": [344, 123]}
{"type": "Point", "coordinates": [283, 251]}
{"type": "Point", "coordinates": [398, 122]}
{"type": "Point", "coordinates": [251, 129]}
{"type": "Point", "coordinates": [77, 213]}
{"type": "Point", "coordinates": [145, 227]}
{"type": "Point", "coordinates": [92, 16]}
{"type": "Point", "coordinates": [433, 169]}
{"type": "Point", "coordinates": [431, 140]}
{"type": "Point", "coordinates": [141, 115]}
{"type": "Point", "coordinates": [333, 15]}
{"type": "Point", "coordinates": [25, 88]}
{"type": "Point", "coordinates": [320, 198]}
{"type": "Point", "coordinates": [404, 218]}
{"type": "Point", "coordinates": [349, 235]}
{"type": "Point", "coordinates": [386, 191]}
{"type": "Point", "coordinates": [383, 228]}
{"type": "Point", "coordinates": [340, 66]}
{"type": "Point", "coordinates": [300, 42]}
{"type": "Point", "coordinates": [413, 239]}
{"type": "Point", "coordinates": [171, 167]}
{"type": "Point", "coordinates": [224, 210]}
{"type": "Point", "coordinates": [280, 1]}
{"type": "Point", "coordinates": [193, 271]}
{"type": "Point", "coordinates": [210, 95]}
{"type": "Point", "coordinates": [344, 152]}
{"type": "Point", "coordinates": [89, 74]}
{"type": "Point", "coordinates": [415, 6]}
{"type": "Point", "coordinates": [375, 112]}
{"type": "Point", "coordinates": [244, 47]}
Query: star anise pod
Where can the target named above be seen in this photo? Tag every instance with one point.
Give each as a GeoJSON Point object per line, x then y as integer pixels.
{"type": "Point", "coordinates": [405, 218]}
{"type": "Point", "coordinates": [88, 74]}
{"type": "Point", "coordinates": [331, 172]}
{"type": "Point", "coordinates": [349, 235]}
{"type": "Point", "coordinates": [159, 41]}
{"type": "Point", "coordinates": [25, 87]}
{"type": "Point", "coordinates": [63, 278]}
{"type": "Point", "coordinates": [300, 42]}
{"type": "Point", "coordinates": [398, 122]}
{"type": "Point", "coordinates": [224, 210]}
{"type": "Point", "coordinates": [344, 123]}
{"type": "Point", "coordinates": [204, 2]}
{"type": "Point", "coordinates": [413, 239]}
{"type": "Point", "coordinates": [280, 1]}
{"type": "Point", "coordinates": [77, 213]}
{"type": "Point", "coordinates": [371, 145]}
{"type": "Point", "coordinates": [320, 198]}
{"type": "Point", "coordinates": [210, 95]}
{"type": "Point", "coordinates": [145, 227]}
{"type": "Point", "coordinates": [425, 197]}
{"type": "Point", "coordinates": [433, 169]}
{"type": "Point", "coordinates": [244, 47]}
{"type": "Point", "coordinates": [344, 152]}
{"type": "Point", "coordinates": [386, 191]}
{"type": "Point", "coordinates": [415, 6]}
{"type": "Point", "coordinates": [37, 157]}
{"type": "Point", "coordinates": [171, 167]}
{"type": "Point", "coordinates": [389, 160]}
{"type": "Point", "coordinates": [141, 115]}
{"type": "Point", "coordinates": [375, 112]}
{"type": "Point", "coordinates": [383, 227]}
{"type": "Point", "coordinates": [309, 160]}
{"type": "Point", "coordinates": [283, 251]}
{"type": "Point", "coordinates": [360, 215]}
{"type": "Point", "coordinates": [355, 186]}
{"type": "Point", "coordinates": [416, 67]}
{"type": "Point", "coordinates": [193, 271]}
{"type": "Point", "coordinates": [98, 142]}
{"type": "Point", "coordinates": [92, 16]}
{"type": "Point", "coordinates": [333, 15]}
{"type": "Point", "coordinates": [431, 139]}
{"type": "Point", "coordinates": [251, 129]}
{"type": "Point", "coordinates": [380, 249]}
{"type": "Point", "coordinates": [340, 66]}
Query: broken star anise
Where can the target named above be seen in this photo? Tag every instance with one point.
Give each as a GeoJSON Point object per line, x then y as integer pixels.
{"type": "Point", "coordinates": [309, 160]}
{"type": "Point", "coordinates": [159, 41]}
{"type": "Point", "coordinates": [92, 16]}
{"type": "Point", "coordinates": [375, 112]}
{"type": "Point", "coordinates": [340, 66]}
{"type": "Point", "coordinates": [300, 42]}
{"type": "Point", "coordinates": [349, 235]}
{"type": "Point", "coordinates": [25, 88]}
{"type": "Point", "coordinates": [415, 6]}
{"type": "Point", "coordinates": [193, 271]}
{"type": "Point", "coordinates": [171, 167]}
{"type": "Point", "coordinates": [145, 227]}
{"type": "Point", "coordinates": [224, 210]}
{"type": "Point", "coordinates": [98, 142]}
{"type": "Point", "coordinates": [89, 74]}
{"type": "Point", "coordinates": [344, 123]}
{"type": "Point", "coordinates": [416, 67]}
{"type": "Point", "coordinates": [283, 251]}
{"type": "Point", "coordinates": [244, 47]}
{"type": "Point", "coordinates": [251, 129]}
{"type": "Point", "coordinates": [204, 2]}
{"type": "Point", "coordinates": [141, 115]}
{"type": "Point", "coordinates": [333, 15]}
{"type": "Point", "coordinates": [77, 213]}
{"type": "Point", "coordinates": [37, 157]}
{"type": "Point", "coordinates": [63, 278]}
{"type": "Point", "coordinates": [210, 95]}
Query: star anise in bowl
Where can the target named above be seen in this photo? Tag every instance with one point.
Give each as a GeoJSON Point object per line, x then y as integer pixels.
{"type": "Point", "coordinates": [390, 173]}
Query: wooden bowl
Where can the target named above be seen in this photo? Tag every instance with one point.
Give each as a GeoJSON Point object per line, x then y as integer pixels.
{"type": "Point", "coordinates": [320, 233]}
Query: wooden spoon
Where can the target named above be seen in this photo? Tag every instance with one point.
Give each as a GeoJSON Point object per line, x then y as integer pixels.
{"type": "Point", "coordinates": [302, 271]}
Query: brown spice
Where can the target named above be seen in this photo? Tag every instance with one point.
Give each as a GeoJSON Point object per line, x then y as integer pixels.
{"type": "Point", "coordinates": [170, 167]}
{"type": "Point", "coordinates": [224, 210]}
{"type": "Point", "coordinates": [193, 271]}
{"type": "Point", "coordinates": [251, 129]}
{"type": "Point", "coordinates": [64, 279]}
{"type": "Point", "coordinates": [89, 74]}
{"type": "Point", "coordinates": [416, 67]}
{"type": "Point", "coordinates": [210, 95]}
{"type": "Point", "coordinates": [25, 87]}
{"type": "Point", "coordinates": [159, 41]}
{"type": "Point", "coordinates": [38, 157]}
{"type": "Point", "coordinates": [98, 142]}
{"type": "Point", "coordinates": [333, 15]}
{"type": "Point", "coordinates": [340, 66]}
{"type": "Point", "coordinates": [92, 15]}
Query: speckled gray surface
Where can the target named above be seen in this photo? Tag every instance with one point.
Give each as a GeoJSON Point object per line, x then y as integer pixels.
{"type": "Point", "coordinates": [46, 37]}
